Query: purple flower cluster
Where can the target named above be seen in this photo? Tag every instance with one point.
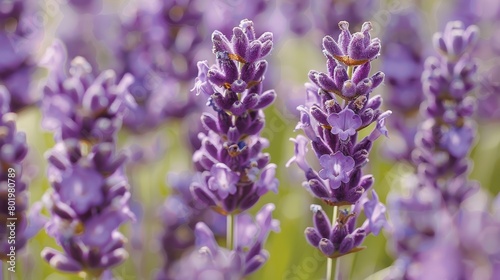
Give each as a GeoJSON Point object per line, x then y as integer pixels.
{"type": "Point", "coordinates": [432, 225]}
{"type": "Point", "coordinates": [101, 101]}
{"type": "Point", "coordinates": [403, 63]}
{"type": "Point", "coordinates": [158, 45]}
{"type": "Point", "coordinates": [13, 190]}
{"type": "Point", "coordinates": [343, 237]}
{"type": "Point", "coordinates": [89, 197]}
{"type": "Point", "coordinates": [17, 43]}
{"type": "Point", "coordinates": [446, 136]}
{"type": "Point", "coordinates": [338, 105]}
{"type": "Point", "coordinates": [180, 214]}
{"type": "Point", "coordinates": [210, 261]}
{"type": "Point", "coordinates": [234, 171]}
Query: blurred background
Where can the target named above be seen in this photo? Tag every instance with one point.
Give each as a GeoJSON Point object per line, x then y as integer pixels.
{"type": "Point", "coordinates": [102, 30]}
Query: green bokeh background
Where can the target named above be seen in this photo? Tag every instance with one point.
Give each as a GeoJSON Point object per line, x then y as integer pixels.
{"type": "Point", "coordinates": [291, 257]}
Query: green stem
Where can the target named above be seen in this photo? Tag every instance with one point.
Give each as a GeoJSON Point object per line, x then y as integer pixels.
{"type": "Point", "coordinates": [337, 269]}
{"type": "Point", "coordinates": [229, 231]}
{"type": "Point", "coordinates": [329, 263]}
{"type": "Point", "coordinates": [350, 70]}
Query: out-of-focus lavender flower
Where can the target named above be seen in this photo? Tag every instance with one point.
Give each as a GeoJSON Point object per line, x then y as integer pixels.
{"type": "Point", "coordinates": [158, 47]}
{"type": "Point", "coordinates": [16, 222]}
{"type": "Point", "coordinates": [18, 40]}
{"type": "Point", "coordinates": [180, 214]}
{"type": "Point", "coordinates": [486, 14]}
{"type": "Point", "coordinates": [338, 105]}
{"type": "Point", "coordinates": [403, 64]}
{"type": "Point", "coordinates": [212, 262]}
{"type": "Point", "coordinates": [77, 105]}
{"type": "Point", "coordinates": [447, 133]}
{"type": "Point", "coordinates": [431, 225]}
{"type": "Point", "coordinates": [89, 198]}
{"type": "Point", "coordinates": [234, 171]}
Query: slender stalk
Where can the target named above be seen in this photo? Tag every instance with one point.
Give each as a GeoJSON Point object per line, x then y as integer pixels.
{"type": "Point", "coordinates": [229, 231]}
{"type": "Point", "coordinates": [337, 269]}
{"type": "Point", "coordinates": [329, 263]}
{"type": "Point", "coordinates": [350, 70]}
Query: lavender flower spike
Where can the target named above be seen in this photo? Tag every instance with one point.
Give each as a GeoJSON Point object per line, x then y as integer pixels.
{"type": "Point", "coordinates": [13, 190]}
{"type": "Point", "coordinates": [446, 136]}
{"type": "Point", "coordinates": [338, 105]}
{"type": "Point", "coordinates": [212, 262]}
{"type": "Point", "coordinates": [234, 171]}
{"type": "Point", "coordinates": [334, 113]}
{"type": "Point", "coordinates": [403, 63]}
{"type": "Point", "coordinates": [441, 184]}
{"type": "Point", "coordinates": [89, 197]}
{"type": "Point", "coordinates": [343, 237]}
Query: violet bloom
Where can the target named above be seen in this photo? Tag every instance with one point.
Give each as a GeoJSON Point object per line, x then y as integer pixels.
{"type": "Point", "coordinates": [234, 171]}
{"type": "Point", "coordinates": [18, 41]}
{"type": "Point", "coordinates": [344, 237]}
{"type": "Point", "coordinates": [403, 63]}
{"type": "Point", "coordinates": [158, 46]}
{"type": "Point", "coordinates": [179, 215]}
{"type": "Point", "coordinates": [89, 198]}
{"type": "Point", "coordinates": [425, 225]}
{"type": "Point", "coordinates": [77, 105]}
{"type": "Point", "coordinates": [212, 262]}
{"type": "Point", "coordinates": [338, 105]}
{"type": "Point", "coordinates": [446, 136]}
{"type": "Point", "coordinates": [13, 149]}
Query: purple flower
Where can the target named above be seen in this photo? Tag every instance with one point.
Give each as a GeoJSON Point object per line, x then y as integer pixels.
{"type": "Point", "coordinates": [300, 153]}
{"type": "Point", "coordinates": [352, 49]}
{"type": "Point", "coordinates": [344, 124]}
{"type": "Point", "coordinates": [82, 189]}
{"type": "Point", "coordinates": [441, 184]}
{"type": "Point", "coordinates": [248, 256]}
{"type": "Point", "coordinates": [179, 215]}
{"type": "Point", "coordinates": [223, 180]}
{"type": "Point", "coordinates": [336, 168]}
{"type": "Point", "coordinates": [403, 62]}
{"type": "Point", "coordinates": [13, 151]}
{"type": "Point", "coordinates": [458, 140]}
{"type": "Point", "coordinates": [19, 39]}
{"type": "Point", "coordinates": [235, 172]}
{"type": "Point", "coordinates": [335, 241]}
{"type": "Point", "coordinates": [89, 198]}
{"type": "Point", "coordinates": [101, 100]}
{"type": "Point", "coordinates": [448, 129]}
{"type": "Point", "coordinates": [338, 105]}
{"type": "Point", "coordinates": [375, 213]}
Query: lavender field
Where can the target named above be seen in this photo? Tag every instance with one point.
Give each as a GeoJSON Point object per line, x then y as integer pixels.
{"type": "Point", "coordinates": [239, 139]}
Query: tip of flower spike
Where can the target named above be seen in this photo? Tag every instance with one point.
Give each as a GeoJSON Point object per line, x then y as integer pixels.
{"type": "Point", "coordinates": [246, 23]}
{"type": "Point", "coordinates": [80, 66]}
{"type": "Point", "coordinates": [367, 26]}
{"type": "Point", "coordinates": [343, 25]}
{"type": "Point", "coordinates": [315, 208]}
